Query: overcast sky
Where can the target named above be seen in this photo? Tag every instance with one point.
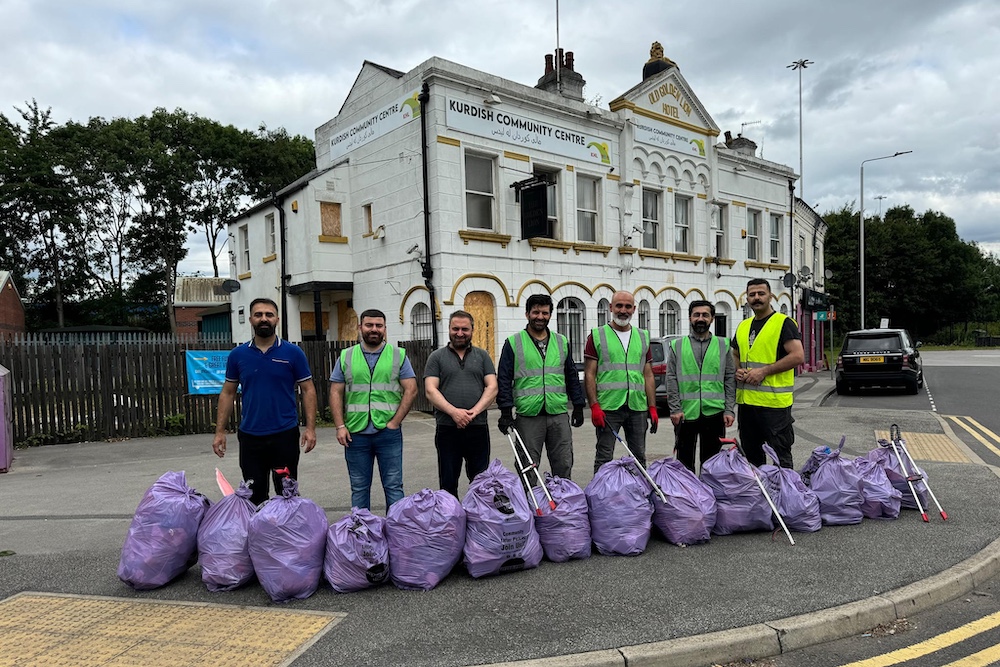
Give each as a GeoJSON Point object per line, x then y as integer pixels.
{"type": "Point", "coordinates": [889, 75]}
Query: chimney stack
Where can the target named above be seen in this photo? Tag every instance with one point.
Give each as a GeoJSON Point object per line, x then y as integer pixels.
{"type": "Point", "coordinates": [563, 81]}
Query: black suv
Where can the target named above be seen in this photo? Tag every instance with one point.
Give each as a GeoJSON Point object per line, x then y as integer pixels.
{"type": "Point", "coordinates": [879, 357]}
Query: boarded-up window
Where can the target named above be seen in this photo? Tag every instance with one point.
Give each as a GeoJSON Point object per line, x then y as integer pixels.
{"type": "Point", "coordinates": [329, 215]}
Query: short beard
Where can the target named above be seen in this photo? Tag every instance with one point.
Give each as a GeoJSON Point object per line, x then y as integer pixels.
{"type": "Point", "coordinates": [264, 330]}
{"type": "Point", "coordinates": [700, 327]}
{"type": "Point", "coordinates": [621, 320]}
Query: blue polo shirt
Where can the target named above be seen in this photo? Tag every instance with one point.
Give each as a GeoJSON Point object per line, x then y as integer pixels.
{"type": "Point", "coordinates": [268, 381]}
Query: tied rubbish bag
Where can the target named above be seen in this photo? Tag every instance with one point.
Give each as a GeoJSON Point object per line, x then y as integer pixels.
{"type": "Point", "coordinates": [880, 499]}
{"type": "Point", "coordinates": [500, 533]}
{"type": "Point", "coordinates": [884, 456]}
{"type": "Point", "coordinates": [621, 514]}
{"type": "Point", "coordinates": [223, 548]}
{"type": "Point", "coordinates": [426, 534]}
{"type": "Point", "coordinates": [796, 502]}
{"type": "Point", "coordinates": [287, 539]}
{"type": "Point", "coordinates": [564, 531]}
{"type": "Point", "coordinates": [162, 541]}
{"type": "Point", "coordinates": [357, 552]}
{"type": "Point", "coordinates": [740, 504]}
{"type": "Point", "coordinates": [689, 513]}
{"type": "Point", "coordinates": [836, 483]}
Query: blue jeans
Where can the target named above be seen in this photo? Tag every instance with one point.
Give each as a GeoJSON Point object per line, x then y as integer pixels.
{"type": "Point", "coordinates": [387, 447]}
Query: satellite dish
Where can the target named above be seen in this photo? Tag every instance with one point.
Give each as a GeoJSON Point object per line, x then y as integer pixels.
{"type": "Point", "coordinates": [828, 273]}
{"type": "Point", "coordinates": [805, 272]}
{"type": "Point", "coordinates": [231, 286]}
{"type": "Point", "coordinates": [788, 280]}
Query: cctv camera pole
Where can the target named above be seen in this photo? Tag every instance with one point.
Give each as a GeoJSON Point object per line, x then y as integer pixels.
{"type": "Point", "coordinates": [426, 270]}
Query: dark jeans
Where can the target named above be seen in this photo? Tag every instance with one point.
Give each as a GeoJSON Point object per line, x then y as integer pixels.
{"type": "Point", "coordinates": [707, 428]}
{"type": "Point", "coordinates": [361, 452]}
{"type": "Point", "coordinates": [771, 425]}
{"type": "Point", "coordinates": [552, 431]}
{"type": "Point", "coordinates": [261, 455]}
{"type": "Point", "coordinates": [455, 445]}
{"type": "Point", "coordinates": [633, 423]}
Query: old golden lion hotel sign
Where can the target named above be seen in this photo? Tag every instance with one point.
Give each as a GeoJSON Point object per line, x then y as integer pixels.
{"type": "Point", "coordinates": [663, 119]}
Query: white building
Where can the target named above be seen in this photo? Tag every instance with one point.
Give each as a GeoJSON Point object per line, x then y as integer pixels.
{"type": "Point", "coordinates": [528, 190]}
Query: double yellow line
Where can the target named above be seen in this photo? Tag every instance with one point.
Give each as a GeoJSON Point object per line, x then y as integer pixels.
{"type": "Point", "coordinates": [970, 429]}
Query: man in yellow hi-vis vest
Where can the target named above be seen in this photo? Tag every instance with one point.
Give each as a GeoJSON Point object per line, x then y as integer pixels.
{"type": "Point", "coordinates": [767, 348]}
{"type": "Point", "coordinates": [618, 380]}
{"type": "Point", "coordinates": [372, 387]}
{"type": "Point", "coordinates": [701, 387]}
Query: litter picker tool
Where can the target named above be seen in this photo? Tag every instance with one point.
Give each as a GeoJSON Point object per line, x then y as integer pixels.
{"type": "Point", "coordinates": [760, 484]}
{"type": "Point", "coordinates": [524, 469]}
{"type": "Point", "coordinates": [896, 442]}
{"type": "Point", "coordinates": [224, 486]}
{"type": "Point", "coordinates": [656, 487]}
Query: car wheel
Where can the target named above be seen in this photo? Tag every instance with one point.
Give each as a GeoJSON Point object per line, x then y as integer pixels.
{"type": "Point", "coordinates": [920, 380]}
{"type": "Point", "coordinates": [843, 388]}
{"type": "Point", "coordinates": [912, 387]}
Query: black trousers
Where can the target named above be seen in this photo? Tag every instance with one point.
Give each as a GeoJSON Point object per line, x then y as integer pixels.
{"type": "Point", "coordinates": [455, 445]}
{"type": "Point", "coordinates": [261, 455]}
{"type": "Point", "coordinates": [708, 428]}
{"type": "Point", "coordinates": [771, 425]}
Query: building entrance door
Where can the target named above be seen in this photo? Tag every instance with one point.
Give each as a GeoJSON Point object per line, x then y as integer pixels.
{"type": "Point", "coordinates": [483, 309]}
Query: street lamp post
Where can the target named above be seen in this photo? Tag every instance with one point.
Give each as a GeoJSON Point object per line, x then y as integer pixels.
{"type": "Point", "coordinates": [800, 65]}
{"type": "Point", "coordinates": [861, 226]}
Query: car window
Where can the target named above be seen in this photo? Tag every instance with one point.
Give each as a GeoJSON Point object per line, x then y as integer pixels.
{"type": "Point", "coordinates": [658, 352]}
{"type": "Point", "coordinates": [872, 343]}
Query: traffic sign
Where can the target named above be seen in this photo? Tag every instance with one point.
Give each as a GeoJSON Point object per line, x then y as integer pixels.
{"type": "Point", "coordinates": [820, 315]}
{"type": "Point", "coordinates": [833, 315]}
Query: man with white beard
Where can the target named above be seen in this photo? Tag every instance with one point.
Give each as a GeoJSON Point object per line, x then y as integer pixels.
{"type": "Point", "coordinates": [618, 380]}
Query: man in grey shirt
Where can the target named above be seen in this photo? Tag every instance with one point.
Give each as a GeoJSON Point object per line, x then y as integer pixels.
{"type": "Point", "coordinates": [701, 387]}
{"type": "Point", "coordinates": [461, 383]}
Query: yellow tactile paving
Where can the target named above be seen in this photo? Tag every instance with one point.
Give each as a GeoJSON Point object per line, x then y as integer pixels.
{"type": "Point", "coordinates": [929, 447]}
{"type": "Point", "coordinates": [46, 630]}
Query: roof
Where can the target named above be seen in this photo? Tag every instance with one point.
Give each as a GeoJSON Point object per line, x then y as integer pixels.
{"type": "Point", "coordinates": [293, 187]}
{"type": "Point", "coordinates": [6, 276]}
{"type": "Point", "coordinates": [195, 291]}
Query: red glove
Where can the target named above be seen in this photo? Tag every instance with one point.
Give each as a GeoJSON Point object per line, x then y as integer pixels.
{"type": "Point", "coordinates": [597, 416]}
{"type": "Point", "coordinates": [654, 419]}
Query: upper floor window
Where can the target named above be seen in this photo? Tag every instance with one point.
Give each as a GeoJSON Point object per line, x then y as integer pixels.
{"type": "Point", "coordinates": [776, 237]}
{"type": "Point", "coordinates": [753, 236]}
{"type": "Point", "coordinates": [329, 218]}
{"type": "Point", "coordinates": [366, 211]}
{"type": "Point", "coordinates": [586, 208]}
{"type": "Point", "coordinates": [682, 224]}
{"type": "Point", "coordinates": [479, 191]}
{"type": "Point", "coordinates": [802, 250]}
{"type": "Point", "coordinates": [244, 249]}
{"type": "Point", "coordinates": [650, 219]}
{"type": "Point", "coordinates": [720, 223]}
{"type": "Point", "coordinates": [551, 179]}
{"type": "Point", "coordinates": [269, 231]}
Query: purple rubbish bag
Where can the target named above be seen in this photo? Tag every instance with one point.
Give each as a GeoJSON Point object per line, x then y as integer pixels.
{"type": "Point", "coordinates": [880, 499]}
{"type": "Point", "coordinates": [357, 552]}
{"type": "Point", "coordinates": [162, 541]}
{"type": "Point", "coordinates": [689, 513]}
{"type": "Point", "coordinates": [796, 502]}
{"type": "Point", "coordinates": [621, 512]}
{"type": "Point", "coordinates": [426, 534]}
{"type": "Point", "coordinates": [836, 483]}
{"type": "Point", "coordinates": [287, 540]}
{"type": "Point", "coordinates": [884, 456]}
{"type": "Point", "coordinates": [223, 548]}
{"type": "Point", "coordinates": [564, 531]}
{"type": "Point", "coordinates": [741, 505]}
{"type": "Point", "coordinates": [500, 533]}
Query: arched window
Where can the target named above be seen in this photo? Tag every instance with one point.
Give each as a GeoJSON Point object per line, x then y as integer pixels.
{"type": "Point", "coordinates": [421, 323]}
{"type": "Point", "coordinates": [670, 320]}
{"type": "Point", "coordinates": [721, 324]}
{"type": "Point", "coordinates": [747, 311]}
{"type": "Point", "coordinates": [784, 309]}
{"type": "Point", "coordinates": [571, 322]}
{"type": "Point", "coordinates": [603, 312]}
{"type": "Point", "coordinates": [644, 315]}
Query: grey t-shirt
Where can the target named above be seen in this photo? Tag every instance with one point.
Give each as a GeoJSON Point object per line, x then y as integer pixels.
{"type": "Point", "coordinates": [460, 381]}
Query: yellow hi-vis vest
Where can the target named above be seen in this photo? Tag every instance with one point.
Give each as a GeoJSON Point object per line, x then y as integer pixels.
{"type": "Point", "coordinates": [619, 373]}
{"type": "Point", "coordinates": [371, 394]}
{"type": "Point", "coordinates": [776, 390]}
{"type": "Point", "coordinates": [539, 382]}
{"type": "Point", "coordinates": [702, 390]}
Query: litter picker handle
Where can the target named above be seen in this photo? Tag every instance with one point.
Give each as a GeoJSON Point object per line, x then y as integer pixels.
{"type": "Point", "coordinates": [642, 468]}
{"type": "Point", "coordinates": [522, 472]}
{"type": "Point", "coordinates": [534, 466]}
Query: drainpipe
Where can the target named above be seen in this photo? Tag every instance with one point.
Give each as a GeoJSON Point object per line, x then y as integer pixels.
{"type": "Point", "coordinates": [426, 270]}
{"type": "Point", "coordinates": [278, 203]}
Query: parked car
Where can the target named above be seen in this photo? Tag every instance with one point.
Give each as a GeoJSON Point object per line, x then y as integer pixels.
{"type": "Point", "coordinates": [660, 349]}
{"type": "Point", "coordinates": [879, 357]}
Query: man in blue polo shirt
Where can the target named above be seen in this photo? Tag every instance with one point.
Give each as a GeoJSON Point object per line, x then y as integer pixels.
{"type": "Point", "coordinates": [268, 370]}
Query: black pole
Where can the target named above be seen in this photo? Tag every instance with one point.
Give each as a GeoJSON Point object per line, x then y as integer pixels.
{"type": "Point", "coordinates": [279, 204]}
{"type": "Point", "coordinates": [427, 271]}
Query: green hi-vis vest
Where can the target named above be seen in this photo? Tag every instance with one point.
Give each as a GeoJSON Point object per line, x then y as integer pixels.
{"type": "Point", "coordinates": [776, 390]}
{"type": "Point", "coordinates": [539, 383]}
{"type": "Point", "coordinates": [703, 390]}
{"type": "Point", "coordinates": [619, 373]}
{"type": "Point", "coordinates": [375, 394]}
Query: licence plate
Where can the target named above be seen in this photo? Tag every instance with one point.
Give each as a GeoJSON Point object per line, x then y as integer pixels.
{"type": "Point", "coordinates": [872, 360]}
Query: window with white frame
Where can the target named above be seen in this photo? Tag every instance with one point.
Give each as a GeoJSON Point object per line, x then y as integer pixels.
{"type": "Point", "coordinates": [586, 208]}
{"type": "Point", "coordinates": [802, 250]}
{"type": "Point", "coordinates": [479, 191]}
{"type": "Point", "coordinates": [366, 212]}
{"type": "Point", "coordinates": [682, 224]}
{"type": "Point", "coordinates": [421, 324]}
{"type": "Point", "coordinates": [650, 219]}
{"type": "Point", "coordinates": [776, 237]}
{"type": "Point", "coordinates": [670, 318]}
{"type": "Point", "coordinates": [244, 249]}
{"type": "Point", "coordinates": [551, 178]}
{"type": "Point", "coordinates": [603, 312]}
{"type": "Point", "coordinates": [753, 236]}
{"type": "Point", "coordinates": [720, 223]}
{"type": "Point", "coordinates": [269, 231]}
{"type": "Point", "coordinates": [571, 321]}
{"type": "Point", "coordinates": [644, 315]}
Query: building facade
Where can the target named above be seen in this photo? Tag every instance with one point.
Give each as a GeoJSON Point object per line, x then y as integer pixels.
{"type": "Point", "coordinates": [527, 190]}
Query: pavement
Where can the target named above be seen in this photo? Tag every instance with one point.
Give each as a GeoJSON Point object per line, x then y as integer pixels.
{"type": "Point", "coordinates": [66, 509]}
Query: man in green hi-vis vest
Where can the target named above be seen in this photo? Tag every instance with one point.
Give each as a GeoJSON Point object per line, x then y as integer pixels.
{"type": "Point", "coordinates": [701, 387]}
{"type": "Point", "coordinates": [618, 379]}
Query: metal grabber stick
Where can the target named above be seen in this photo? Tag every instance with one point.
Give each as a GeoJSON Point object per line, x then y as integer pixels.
{"type": "Point", "coordinates": [656, 487]}
{"type": "Point", "coordinates": [760, 484]}
{"type": "Point", "coordinates": [893, 437]}
{"type": "Point", "coordinates": [894, 431]}
{"type": "Point", "coordinates": [523, 470]}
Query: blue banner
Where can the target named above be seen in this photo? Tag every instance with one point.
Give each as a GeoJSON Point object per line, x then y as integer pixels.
{"type": "Point", "coordinates": [206, 370]}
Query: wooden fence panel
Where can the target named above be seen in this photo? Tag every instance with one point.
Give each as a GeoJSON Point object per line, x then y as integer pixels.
{"type": "Point", "coordinates": [417, 352]}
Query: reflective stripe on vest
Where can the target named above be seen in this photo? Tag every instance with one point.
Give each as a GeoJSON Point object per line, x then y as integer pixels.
{"type": "Point", "coordinates": [702, 390]}
{"type": "Point", "coordinates": [539, 383]}
{"type": "Point", "coordinates": [371, 395]}
{"type": "Point", "coordinates": [619, 373]}
{"type": "Point", "coordinates": [776, 390]}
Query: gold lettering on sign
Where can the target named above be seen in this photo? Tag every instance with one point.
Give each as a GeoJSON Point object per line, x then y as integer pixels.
{"type": "Point", "coordinates": [670, 111]}
{"type": "Point", "coordinates": [669, 90]}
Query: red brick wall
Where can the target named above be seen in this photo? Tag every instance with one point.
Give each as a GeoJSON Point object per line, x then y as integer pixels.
{"type": "Point", "coordinates": [11, 311]}
{"type": "Point", "coordinates": [187, 320]}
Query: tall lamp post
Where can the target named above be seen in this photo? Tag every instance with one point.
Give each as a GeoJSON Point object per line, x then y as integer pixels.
{"type": "Point", "coordinates": [800, 65]}
{"type": "Point", "coordinates": [861, 227]}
